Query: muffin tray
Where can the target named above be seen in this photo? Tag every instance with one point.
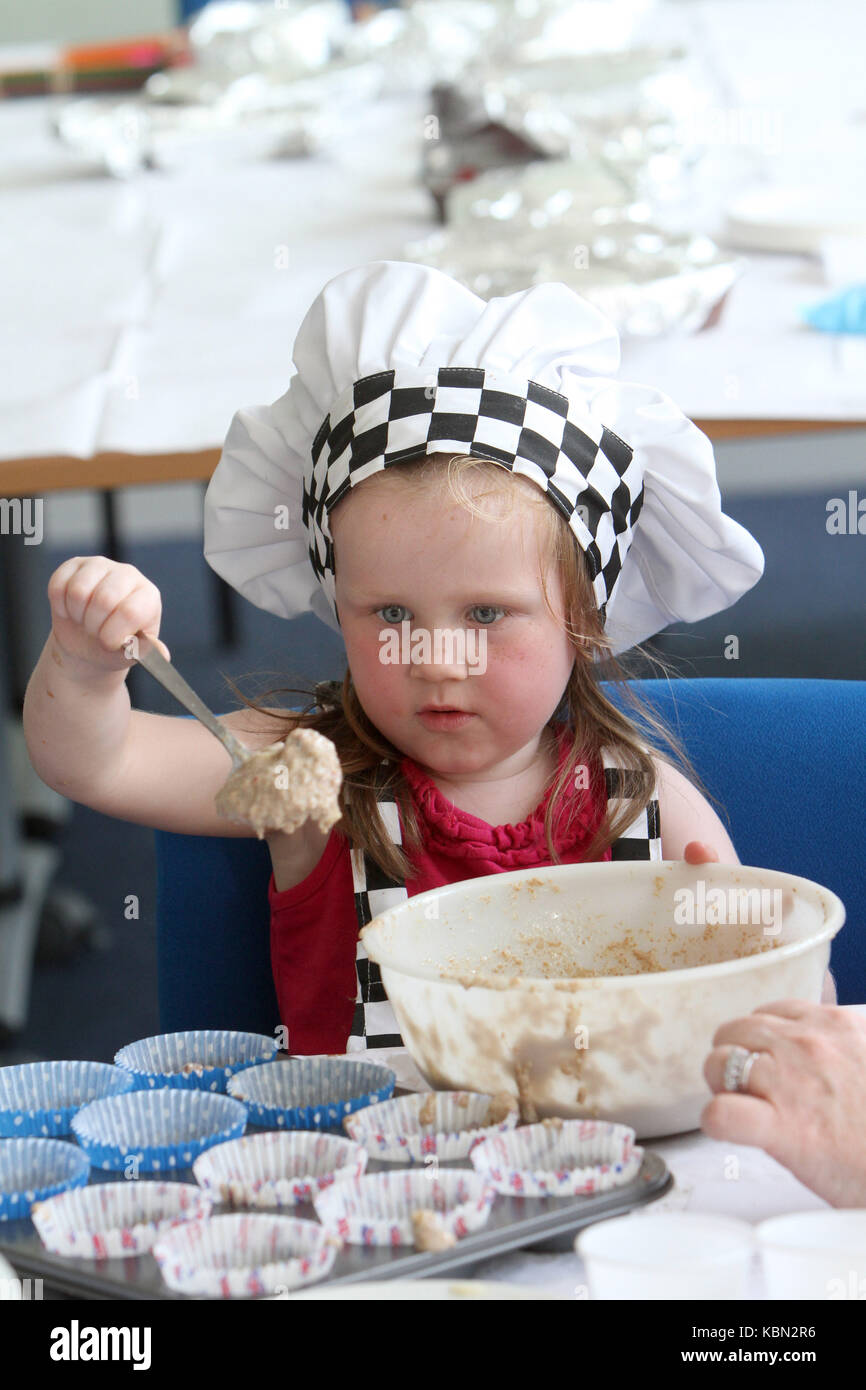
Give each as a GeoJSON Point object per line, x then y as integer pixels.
{"type": "Point", "coordinates": [536, 1223]}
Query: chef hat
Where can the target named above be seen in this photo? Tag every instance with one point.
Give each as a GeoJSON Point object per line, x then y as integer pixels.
{"type": "Point", "coordinates": [395, 361]}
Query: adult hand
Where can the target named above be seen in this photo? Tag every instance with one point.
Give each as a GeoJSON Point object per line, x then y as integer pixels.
{"type": "Point", "coordinates": [806, 1098]}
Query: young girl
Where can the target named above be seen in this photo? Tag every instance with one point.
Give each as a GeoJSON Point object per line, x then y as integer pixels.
{"type": "Point", "coordinates": [463, 491]}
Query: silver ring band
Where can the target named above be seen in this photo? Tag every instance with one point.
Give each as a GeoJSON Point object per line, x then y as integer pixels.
{"type": "Point", "coordinates": [738, 1066]}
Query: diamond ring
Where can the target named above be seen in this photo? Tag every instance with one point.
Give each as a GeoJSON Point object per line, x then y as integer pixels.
{"type": "Point", "coordinates": [738, 1066]}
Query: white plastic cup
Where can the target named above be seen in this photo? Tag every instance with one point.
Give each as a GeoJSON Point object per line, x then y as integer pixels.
{"type": "Point", "coordinates": [815, 1254]}
{"type": "Point", "coordinates": [670, 1255]}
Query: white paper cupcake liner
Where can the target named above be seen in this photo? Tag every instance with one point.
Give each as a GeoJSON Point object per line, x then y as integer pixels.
{"type": "Point", "coordinates": [31, 1169]}
{"type": "Point", "coordinates": [377, 1208]}
{"type": "Point", "coordinates": [310, 1092]}
{"type": "Point", "coordinates": [242, 1256]}
{"type": "Point", "coordinates": [277, 1170]}
{"type": "Point", "coordinates": [114, 1219]}
{"type": "Point", "coordinates": [39, 1099]}
{"type": "Point", "coordinates": [202, 1060]}
{"type": "Point", "coordinates": [564, 1158]}
{"type": "Point", "coordinates": [443, 1124]}
{"type": "Point", "coordinates": [156, 1131]}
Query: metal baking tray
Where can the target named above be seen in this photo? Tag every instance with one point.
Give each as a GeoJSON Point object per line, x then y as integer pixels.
{"type": "Point", "coordinates": [536, 1223]}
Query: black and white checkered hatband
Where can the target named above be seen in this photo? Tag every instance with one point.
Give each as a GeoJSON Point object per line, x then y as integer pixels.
{"type": "Point", "coordinates": [587, 471]}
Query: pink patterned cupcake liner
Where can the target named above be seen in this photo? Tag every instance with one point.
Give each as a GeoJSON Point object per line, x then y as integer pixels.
{"type": "Point", "coordinates": [442, 1123]}
{"type": "Point", "coordinates": [277, 1169]}
{"type": "Point", "coordinates": [429, 1209]}
{"type": "Point", "coordinates": [115, 1219]}
{"type": "Point", "coordinates": [243, 1256]}
{"type": "Point", "coordinates": [559, 1158]}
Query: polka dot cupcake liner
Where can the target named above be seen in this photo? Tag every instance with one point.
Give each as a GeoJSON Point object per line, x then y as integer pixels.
{"type": "Point", "coordinates": [115, 1219]}
{"type": "Point", "coordinates": [40, 1099]}
{"type": "Point", "coordinates": [440, 1124]}
{"type": "Point", "coordinates": [276, 1170]}
{"type": "Point", "coordinates": [426, 1209]}
{"type": "Point", "coordinates": [156, 1131]}
{"type": "Point", "coordinates": [310, 1092]}
{"type": "Point", "coordinates": [244, 1256]}
{"type": "Point", "coordinates": [201, 1060]}
{"type": "Point", "coordinates": [559, 1158]}
{"type": "Point", "coordinates": [33, 1169]}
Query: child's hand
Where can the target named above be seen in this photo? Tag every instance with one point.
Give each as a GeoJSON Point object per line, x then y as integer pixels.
{"type": "Point", "coordinates": [96, 605]}
{"type": "Point", "coordinates": [696, 852]}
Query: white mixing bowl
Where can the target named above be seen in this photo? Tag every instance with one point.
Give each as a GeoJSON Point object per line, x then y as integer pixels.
{"type": "Point", "coordinates": [595, 989]}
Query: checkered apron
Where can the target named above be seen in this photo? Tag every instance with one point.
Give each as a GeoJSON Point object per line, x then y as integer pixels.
{"type": "Point", "coordinates": [374, 1024]}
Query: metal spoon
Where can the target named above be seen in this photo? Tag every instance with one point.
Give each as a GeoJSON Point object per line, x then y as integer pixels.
{"type": "Point", "coordinates": [151, 658]}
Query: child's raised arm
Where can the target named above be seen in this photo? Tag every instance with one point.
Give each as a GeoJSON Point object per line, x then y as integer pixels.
{"type": "Point", "coordinates": [84, 738]}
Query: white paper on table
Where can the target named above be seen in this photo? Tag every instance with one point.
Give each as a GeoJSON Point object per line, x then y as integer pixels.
{"type": "Point", "coordinates": [141, 315]}
{"type": "Point", "coordinates": [53, 388]}
{"type": "Point", "coordinates": [844, 261]}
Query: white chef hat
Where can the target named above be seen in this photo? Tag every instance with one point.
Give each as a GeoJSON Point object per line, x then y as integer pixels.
{"type": "Point", "coordinates": [395, 361]}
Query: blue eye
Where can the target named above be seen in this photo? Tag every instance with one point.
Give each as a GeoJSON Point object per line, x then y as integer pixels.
{"type": "Point", "coordinates": [487, 608]}
{"type": "Point", "coordinates": [478, 608]}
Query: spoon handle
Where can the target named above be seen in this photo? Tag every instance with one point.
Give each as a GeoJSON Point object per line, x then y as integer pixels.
{"type": "Point", "coordinates": [153, 661]}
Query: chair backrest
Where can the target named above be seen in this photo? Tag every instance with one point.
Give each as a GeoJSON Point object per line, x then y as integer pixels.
{"type": "Point", "coordinates": [786, 758]}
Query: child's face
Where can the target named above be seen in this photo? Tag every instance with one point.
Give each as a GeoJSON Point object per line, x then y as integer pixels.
{"type": "Point", "coordinates": [406, 557]}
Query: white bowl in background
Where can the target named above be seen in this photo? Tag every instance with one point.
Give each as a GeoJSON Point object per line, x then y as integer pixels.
{"type": "Point", "coordinates": [486, 984]}
{"type": "Point", "coordinates": [815, 1254]}
{"type": "Point", "coordinates": [667, 1255]}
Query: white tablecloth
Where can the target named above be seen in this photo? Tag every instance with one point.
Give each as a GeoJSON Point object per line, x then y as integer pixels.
{"type": "Point", "coordinates": [140, 315]}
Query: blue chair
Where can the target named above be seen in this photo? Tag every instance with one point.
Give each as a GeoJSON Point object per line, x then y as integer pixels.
{"type": "Point", "coordinates": [786, 758]}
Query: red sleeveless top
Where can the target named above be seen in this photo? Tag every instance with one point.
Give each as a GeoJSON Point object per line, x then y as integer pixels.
{"type": "Point", "coordinates": [314, 926]}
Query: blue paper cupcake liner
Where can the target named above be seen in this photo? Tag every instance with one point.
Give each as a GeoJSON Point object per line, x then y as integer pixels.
{"type": "Point", "coordinates": [156, 1131]}
{"type": "Point", "coordinates": [311, 1092]}
{"type": "Point", "coordinates": [33, 1169]}
{"type": "Point", "coordinates": [201, 1060]}
{"type": "Point", "coordinates": [40, 1099]}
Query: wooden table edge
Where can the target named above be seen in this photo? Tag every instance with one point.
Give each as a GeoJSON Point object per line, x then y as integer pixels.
{"type": "Point", "coordinates": [29, 477]}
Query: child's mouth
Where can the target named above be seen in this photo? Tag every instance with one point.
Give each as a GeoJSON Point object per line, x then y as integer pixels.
{"type": "Point", "coordinates": [444, 719]}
